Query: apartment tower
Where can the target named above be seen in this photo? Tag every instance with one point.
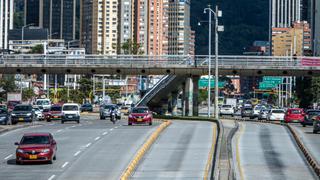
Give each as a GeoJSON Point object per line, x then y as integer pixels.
{"type": "Point", "coordinates": [285, 12]}
{"type": "Point", "coordinates": [6, 21]}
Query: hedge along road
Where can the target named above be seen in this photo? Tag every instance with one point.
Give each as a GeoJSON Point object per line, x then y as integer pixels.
{"type": "Point", "coordinates": [181, 152]}
{"type": "Point", "coordinates": [268, 151]}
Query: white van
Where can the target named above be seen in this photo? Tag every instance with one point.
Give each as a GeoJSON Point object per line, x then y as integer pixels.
{"type": "Point", "coordinates": [45, 103]}
{"type": "Point", "coordinates": [70, 112]}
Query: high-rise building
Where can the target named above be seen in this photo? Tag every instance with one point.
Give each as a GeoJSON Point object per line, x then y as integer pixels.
{"type": "Point", "coordinates": [285, 12]}
{"type": "Point", "coordinates": [6, 21]}
{"type": "Point", "coordinates": [314, 18]}
{"type": "Point", "coordinates": [100, 21]}
{"type": "Point", "coordinates": [125, 21]}
{"type": "Point", "coordinates": [60, 17]}
{"type": "Point", "coordinates": [140, 24]}
{"type": "Point", "coordinates": [179, 33]}
{"type": "Point", "coordinates": [295, 40]}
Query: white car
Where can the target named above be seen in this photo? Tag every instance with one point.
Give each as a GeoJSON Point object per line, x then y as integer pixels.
{"type": "Point", "coordinates": [45, 103]}
{"type": "Point", "coordinates": [276, 115]}
{"type": "Point", "coordinates": [257, 109]}
{"type": "Point", "coordinates": [226, 110]}
{"type": "Point", "coordinates": [38, 113]}
{"type": "Point", "coordinates": [70, 112]}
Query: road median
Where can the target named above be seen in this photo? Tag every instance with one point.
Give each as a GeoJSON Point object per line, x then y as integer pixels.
{"type": "Point", "coordinates": [142, 151]}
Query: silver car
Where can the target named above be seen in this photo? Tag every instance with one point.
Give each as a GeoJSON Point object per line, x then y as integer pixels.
{"type": "Point", "coordinates": [105, 110]}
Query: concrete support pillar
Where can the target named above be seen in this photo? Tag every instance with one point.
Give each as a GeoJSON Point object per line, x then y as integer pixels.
{"type": "Point", "coordinates": [183, 98]}
{"type": "Point", "coordinates": [174, 103]}
{"type": "Point", "coordinates": [195, 102]}
{"type": "Point", "coordinates": [187, 97]}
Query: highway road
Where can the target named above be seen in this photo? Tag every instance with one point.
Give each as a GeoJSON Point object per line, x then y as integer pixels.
{"type": "Point", "coordinates": [267, 151]}
{"type": "Point", "coordinates": [93, 149]}
{"type": "Point", "coordinates": [310, 140]}
{"type": "Point", "coordinates": [181, 152]}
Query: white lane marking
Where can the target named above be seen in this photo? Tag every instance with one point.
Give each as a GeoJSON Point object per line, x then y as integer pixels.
{"type": "Point", "coordinates": [97, 138]}
{"type": "Point", "coordinates": [65, 164]}
{"type": "Point", "coordinates": [105, 133]}
{"type": "Point", "coordinates": [77, 153]}
{"type": "Point", "coordinates": [52, 177]}
{"type": "Point", "coordinates": [8, 157]}
{"type": "Point", "coordinates": [89, 144]}
{"type": "Point", "coordinates": [111, 129]}
{"type": "Point", "coordinates": [80, 125]}
{"type": "Point", "coordinates": [73, 126]}
{"type": "Point", "coordinates": [116, 127]}
{"type": "Point", "coordinates": [59, 130]}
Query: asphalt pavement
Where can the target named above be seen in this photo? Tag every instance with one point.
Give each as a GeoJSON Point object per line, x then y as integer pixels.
{"type": "Point", "coordinates": [310, 140]}
{"type": "Point", "coordinates": [181, 152]}
{"type": "Point", "coordinates": [267, 151]}
{"type": "Point", "coordinates": [93, 149]}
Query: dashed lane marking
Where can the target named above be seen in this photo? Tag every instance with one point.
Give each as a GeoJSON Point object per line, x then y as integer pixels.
{"type": "Point", "coordinates": [8, 157]}
{"type": "Point", "coordinates": [105, 133]}
{"type": "Point", "coordinates": [59, 130]}
{"type": "Point", "coordinates": [52, 177]}
{"type": "Point", "coordinates": [65, 164]}
{"type": "Point", "coordinates": [97, 138]}
{"type": "Point", "coordinates": [89, 144]}
{"type": "Point", "coordinates": [77, 153]}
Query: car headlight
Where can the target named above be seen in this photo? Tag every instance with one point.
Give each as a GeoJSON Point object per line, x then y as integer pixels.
{"type": "Point", "coordinates": [13, 114]}
{"type": "Point", "coordinates": [45, 150]}
{"type": "Point", "coordinates": [20, 151]}
{"type": "Point", "coordinates": [130, 116]}
{"type": "Point", "coordinates": [28, 114]}
{"type": "Point", "coordinates": [2, 118]}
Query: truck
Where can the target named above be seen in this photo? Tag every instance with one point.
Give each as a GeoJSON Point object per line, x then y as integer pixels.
{"type": "Point", "coordinates": [13, 99]}
{"type": "Point", "coordinates": [232, 102]}
{"type": "Point", "coordinates": [44, 103]}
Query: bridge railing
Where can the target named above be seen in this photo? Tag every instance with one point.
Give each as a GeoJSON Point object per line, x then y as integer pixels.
{"type": "Point", "coordinates": [142, 60]}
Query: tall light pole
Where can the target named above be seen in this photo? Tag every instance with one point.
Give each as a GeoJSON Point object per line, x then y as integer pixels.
{"type": "Point", "coordinates": [22, 31]}
{"type": "Point", "coordinates": [75, 76]}
{"type": "Point", "coordinates": [216, 14]}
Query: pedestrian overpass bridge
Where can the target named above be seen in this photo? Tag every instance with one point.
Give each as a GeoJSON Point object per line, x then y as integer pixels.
{"type": "Point", "coordinates": [158, 65]}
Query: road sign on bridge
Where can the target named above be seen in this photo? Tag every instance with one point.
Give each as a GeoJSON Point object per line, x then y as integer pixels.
{"type": "Point", "coordinates": [203, 83]}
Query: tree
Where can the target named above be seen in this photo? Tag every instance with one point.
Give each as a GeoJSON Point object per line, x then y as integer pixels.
{"type": "Point", "coordinates": [18, 20]}
{"type": "Point", "coordinates": [131, 47]}
{"type": "Point", "coordinates": [7, 84]}
{"type": "Point", "coordinates": [38, 49]}
{"type": "Point", "coordinates": [85, 86]}
{"type": "Point", "coordinates": [27, 94]}
{"type": "Point", "coordinates": [315, 89]}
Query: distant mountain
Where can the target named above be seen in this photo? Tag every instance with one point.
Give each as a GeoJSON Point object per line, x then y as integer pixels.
{"type": "Point", "coordinates": [244, 22]}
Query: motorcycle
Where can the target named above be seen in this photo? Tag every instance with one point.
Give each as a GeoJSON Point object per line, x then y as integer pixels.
{"type": "Point", "coordinates": [113, 117]}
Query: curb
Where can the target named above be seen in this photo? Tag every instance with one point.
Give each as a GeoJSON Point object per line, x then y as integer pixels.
{"type": "Point", "coordinates": [142, 151]}
{"type": "Point", "coordinates": [18, 127]}
{"type": "Point", "coordinates": [310, 159]}
{"type": "Point", "coordinates": [211, 152]}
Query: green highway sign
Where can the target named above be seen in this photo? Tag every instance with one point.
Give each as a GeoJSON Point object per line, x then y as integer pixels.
{"type": "Point", "coordinates": [265, 85]}
{"type": "Point", "coordinates": [203, 83]}
{"type": "Point", "coordinates": [272, 78]}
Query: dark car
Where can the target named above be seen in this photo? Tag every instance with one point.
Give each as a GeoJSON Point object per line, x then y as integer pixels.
{"type": "Point", "coordinates": [86, 108]}
{"type": "Point", "coordinates": [22, 113]}
{"type": "Point", "coordinates": [316, 125]}
{"type": "Point", "coordinates": [36, 147]}
{"type": "Point", "coordinates": [55, 113]}
{"type": "Point", "coordinates": [140, 115]}
{"type": "Point", "coordinates": [4, 117]}
{"type": "Point", "coordinates": [311, 115]}
{"type": "Point", "coordinates": [247, 112]}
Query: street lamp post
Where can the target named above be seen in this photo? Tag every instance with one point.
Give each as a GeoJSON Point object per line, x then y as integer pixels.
{"type": "Point", "coordinates": [22, 31]}
{"type": "Point", "coordinates": [216, 14]}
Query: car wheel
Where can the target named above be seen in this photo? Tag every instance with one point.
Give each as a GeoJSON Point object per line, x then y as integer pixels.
{"type": "Point", "coordinates": [48, 120]}
{"type": "Point", "coordinates": [19, 162]}
{"type": "Point", "coordinates": [55, 157]}
{"type": "Point", "coordinates": [150, 123]}
{"type": "Point", "coordinates": [314, 132]}
{"type": "Point", "coordinates": [50, 162]}
{"type": "Point", "coordinates": [78, 121]}
{"type": "Point", "coordinates": [130, 124]}
{"type": "Point", "coordinates": [303, 125]}
{"type": "Point", "coordinates": [62, 122]}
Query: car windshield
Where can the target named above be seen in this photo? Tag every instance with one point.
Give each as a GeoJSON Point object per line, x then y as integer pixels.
{"type": "Point", "coordinates": [46, 110]}
{"type": "Point", "coordinates": [139, 110]}
{"type": "Point", "coordinates": [35, 140]}
{"type": "Point", "coordinates": [247, 109]}
{"type": "Point", "coordinates": [86, 105]}
{"type": "Point", "coordinates": [109, 106]}
{"type": "Point", "coordinates": [70, 108]}
{"type": "Point", "coordinates": [312, 113]}
{"type": "Point", "coordinates": [2, 111]}
{"type": "Point", "coordinates": [12, 103]}
{"type": "Point", "coordinates": [295, 111]}
{"type": "Point", "coordinates": [226, 106]}
{"type": "Point", "coordinates": [56, 108]}
{"type": "Point", "coordinates": [43, 102]}
{"type": "Point", "coordinates": [22, 108]}
{"type": "Point", "coordinates": [278, 111]}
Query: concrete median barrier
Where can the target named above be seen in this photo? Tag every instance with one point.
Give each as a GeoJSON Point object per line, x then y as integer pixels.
{"type": "Point", "coordinates": [142, 151]}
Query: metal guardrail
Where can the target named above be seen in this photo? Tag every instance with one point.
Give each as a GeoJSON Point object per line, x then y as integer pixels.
{"type": "Point", "coordinates": [162, 83]}
{"type": "Point", "coordinates": [137, 60]}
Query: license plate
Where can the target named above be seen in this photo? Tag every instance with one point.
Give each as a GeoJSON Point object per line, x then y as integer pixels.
{"type": "Point", "coordinates": [20, 119]}
{"type": "Point", "coordinates": [139, 120]}
{"type": "Point", "coordinates": [33, 157]}
{"type": "Point", "coordinates": [55, 116]}
{"type": "Point", "coordinates": [69, 116]}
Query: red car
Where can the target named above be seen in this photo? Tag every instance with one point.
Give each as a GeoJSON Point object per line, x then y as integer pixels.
{"type": "Point", "coordinates": [36, 147]}
{"type": "Point", "coordinates": [140, 115]}
{"type": "Point", "coordinates": [55, 113]}
{"type": "Point", "coordinates": [294, 115]}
